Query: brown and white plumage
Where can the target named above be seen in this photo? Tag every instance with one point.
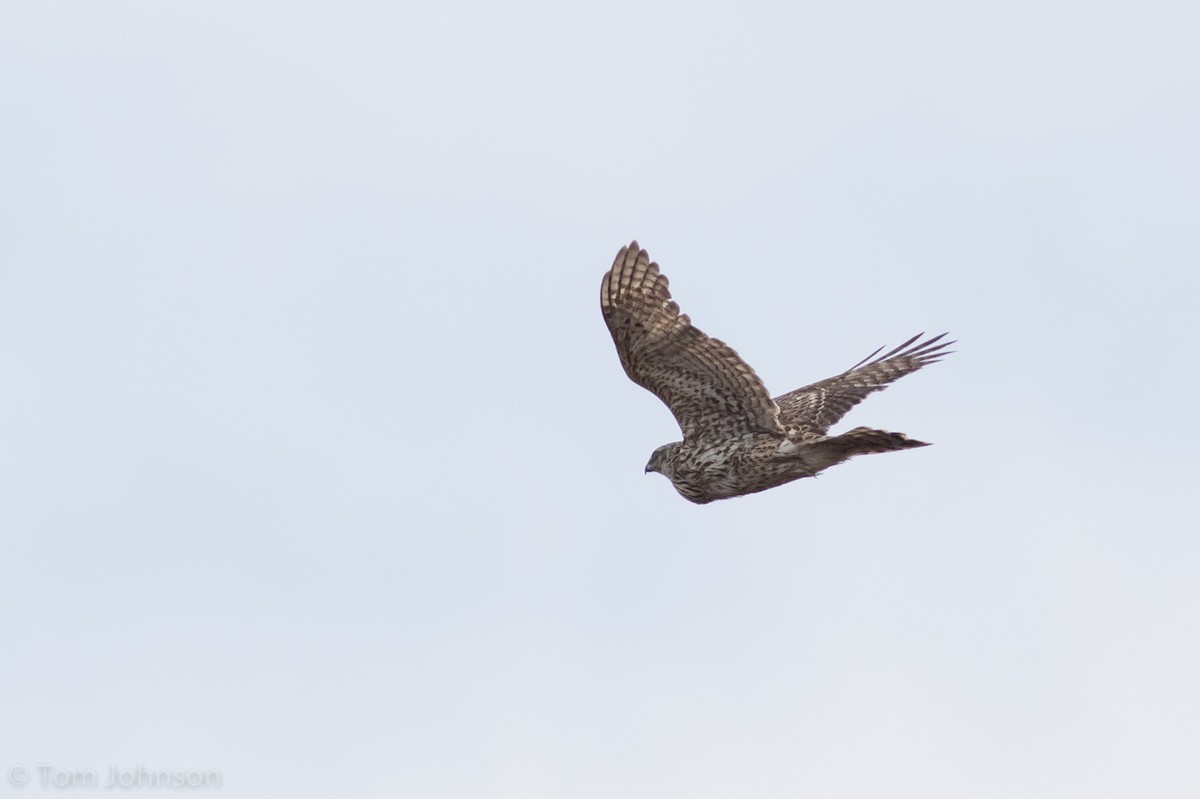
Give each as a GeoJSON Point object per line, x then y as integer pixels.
{"type": "Point", "coordinates": [815, 408]}
{"type": "Point", "coordinates": [736, 438]}
{"type": "Point", "coordinates": [711, 391]}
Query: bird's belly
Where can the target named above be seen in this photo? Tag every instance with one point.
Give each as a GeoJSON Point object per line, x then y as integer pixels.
{"type": "Point", "coordinates": [723, 472]}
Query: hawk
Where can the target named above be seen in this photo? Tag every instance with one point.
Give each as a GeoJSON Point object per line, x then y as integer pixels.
{"type": "Point", "coordinates": [736, 439]}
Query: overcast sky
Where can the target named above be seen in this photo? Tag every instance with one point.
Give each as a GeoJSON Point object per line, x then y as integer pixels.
{"type": "Point", "coordinates": [318, 468]}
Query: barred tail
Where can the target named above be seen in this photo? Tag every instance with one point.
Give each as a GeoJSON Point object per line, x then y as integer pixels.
{"type": "Point", "coordinates": [859, 441]}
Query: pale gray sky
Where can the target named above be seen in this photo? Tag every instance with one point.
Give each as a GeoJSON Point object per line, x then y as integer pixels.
{"type": "Point", "coordinates": [318, 468]}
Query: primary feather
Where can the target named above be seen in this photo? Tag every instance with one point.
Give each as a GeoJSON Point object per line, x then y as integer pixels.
{"type": "Point", "coordinates": [736, 439]}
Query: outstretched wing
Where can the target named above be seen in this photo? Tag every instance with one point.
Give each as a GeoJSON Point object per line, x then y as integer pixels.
{"type": "Point", "coordinates": [817, 407]}
{"type": "Point", "coordinates": [711, 391]}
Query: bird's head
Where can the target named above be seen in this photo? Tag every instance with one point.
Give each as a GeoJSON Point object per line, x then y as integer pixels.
{"type": "Point", "coordinates": [663, 460]}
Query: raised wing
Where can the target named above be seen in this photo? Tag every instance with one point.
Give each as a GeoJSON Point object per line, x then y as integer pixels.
{"type": "Point", "coordinates": [711, 391]}
{"type": "Point", "coordinates": [817, 407]}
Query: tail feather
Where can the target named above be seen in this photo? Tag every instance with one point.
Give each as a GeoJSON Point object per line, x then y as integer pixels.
{"type": "Point", "coordinates": [859, 441]}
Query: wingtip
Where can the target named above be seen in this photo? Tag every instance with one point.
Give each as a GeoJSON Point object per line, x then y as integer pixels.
{"type": "Point", "coordinates": [632, 248]}
{"type": "Point", "coordinates": [927, 351]}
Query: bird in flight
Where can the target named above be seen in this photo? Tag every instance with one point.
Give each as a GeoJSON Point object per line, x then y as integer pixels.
{"type": "Point", "coordinates": [736, 439]}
